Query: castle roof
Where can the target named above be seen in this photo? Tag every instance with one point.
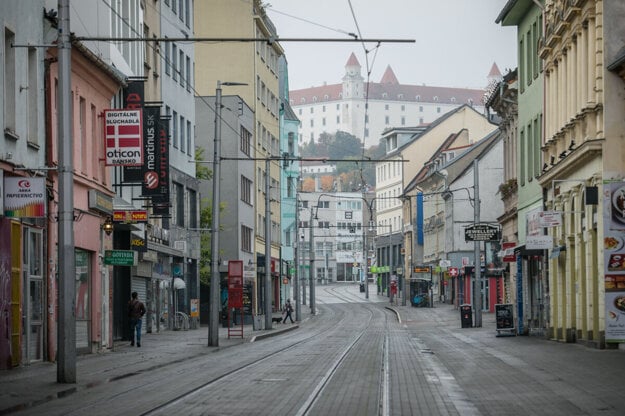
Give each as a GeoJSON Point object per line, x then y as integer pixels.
{"type": "Point", "coordinates": [389, 77]}
{"type": "Point", "coordinates": [352, 61]}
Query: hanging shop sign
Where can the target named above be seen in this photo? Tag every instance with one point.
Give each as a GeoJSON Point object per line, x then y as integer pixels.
{"type": "Point", "coordinates": [123, 137]}
{"type": "Point", "coordinates": [539, 242]}
{"type": "Point", "coordinates": [24, 197]}
{"type": "Point", "coordinates": [120, 257]}
{"type": "Point", "coordinates": [482, 232]}
{"type": "Point", "coordinates": [134, 216]}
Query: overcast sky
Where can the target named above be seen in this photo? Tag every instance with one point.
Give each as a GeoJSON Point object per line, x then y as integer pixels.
{"type": "Point", "coordinates": [457, 41]}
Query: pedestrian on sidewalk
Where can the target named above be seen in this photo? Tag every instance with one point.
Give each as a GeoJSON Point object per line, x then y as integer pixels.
{"type": "Point", "coordinates": [288, 309]}
{"type": "Point", "coordinates": [136, 310]}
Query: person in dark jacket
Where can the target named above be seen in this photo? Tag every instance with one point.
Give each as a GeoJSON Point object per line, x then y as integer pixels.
{"type": "Point", "coordinates": [136, 310]}
{"type": "Point", "coordinates": [288, 309]}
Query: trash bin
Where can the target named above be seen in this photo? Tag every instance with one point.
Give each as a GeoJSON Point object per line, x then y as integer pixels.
{"type": "Point", "coordinates": [466, 316]}
{"type": "Point", "coordinates": [362, 288]}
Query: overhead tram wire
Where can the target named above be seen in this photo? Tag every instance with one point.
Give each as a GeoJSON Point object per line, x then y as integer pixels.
{"type": "Point", "coordinates": [151, 43]}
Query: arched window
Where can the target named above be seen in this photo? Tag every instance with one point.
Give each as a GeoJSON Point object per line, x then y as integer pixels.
{"type": "Point", "coordinates": [315, 99]}
{"type": "Point", "coordinates": [436, 98]}
{"type": "Point", "coordinates": [417, 98]}
{"type": "Point", "coordinates": [453, 99]}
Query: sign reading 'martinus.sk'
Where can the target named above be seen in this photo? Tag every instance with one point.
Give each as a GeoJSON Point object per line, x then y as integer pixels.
{"type": "Point", "coordinates": [123, 137]}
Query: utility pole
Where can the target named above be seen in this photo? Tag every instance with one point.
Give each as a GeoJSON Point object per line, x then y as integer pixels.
{"type": "Point", "coordinates": [268, 311]}
{"type": "Point", "coordinates": [476, 248]}
{"type": "Point", "coordinates": [298, 311]}
{"type": "Point", "coordinates": [312, 264]}
{"type": "Point", "coordinates": [213, 324]}
{"type": "Point", "coordinates": [66, 366]}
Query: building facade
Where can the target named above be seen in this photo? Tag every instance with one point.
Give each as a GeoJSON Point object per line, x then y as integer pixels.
{"type": "Point", "coordinates": [390, 104]}
{"type": "Point", "coordinates": [254, 64]}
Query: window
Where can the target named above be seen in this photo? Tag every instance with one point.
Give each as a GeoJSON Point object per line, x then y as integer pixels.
{"type": "Point", "coordinates": [420, 108]}
{"type": "Point", "coordinates": [338, 119]}
{"type": "Point", "coordinates": [291, 143]}
{"type": "Point", "coordinates": [9, 82]}
{"type": "Point", "coordinates": [193, 217]}
{"type": "Point", "coordinates": [323, 121]}
{"type": "Point", "coordinates": [246, 190]}
{"type": "Point", "coordinates": [179, 204]}
{"type": "Point", "coordinates": [174, 59]}
{"type": "Point", "coordinates": [386, 106]}
{"type": "Point", "coordinates": [438, 109]}
{"type": "Point", "coordinates": [312, 110]}
{"type": "Point", "coordinates": [182, 135]}
{"type": "Point", "coordinates": [246, 239]}
{"type": "Point", "coordinates": [182, 80]}
{"type": "Point", "coordinates": [33, 108]}
{"type": "Point", "coordinates": [187, 12]}
{"type": "Point", "coordinates": [312, 123]}
{"type": "Point", "coordinates": [403, 120]}
{"type": "Point", "coordinates": [82, 125]}
{"type": "Point", "coordinates": [386, 120]}
{"type": "Point", "coordinates": [174, 136]}
{"type": "Point", "coordinates": [323, 108]}
{"type": "Point", "coordinates": [189, 139]}
{"type": "Point", "coordinates": [188, 74]}
{"type": "Point", "coordinates": [167, 57]}
{"type": "Point", "coordinates": [246, 139]}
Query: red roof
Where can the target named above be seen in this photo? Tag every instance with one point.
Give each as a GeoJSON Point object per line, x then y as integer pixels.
{"type": "Point", "coordinates": [389, 77]}
{"type": "Point", "coordinates": [494, 71]}
{"type": "Point", "coordinates": [352, 61]}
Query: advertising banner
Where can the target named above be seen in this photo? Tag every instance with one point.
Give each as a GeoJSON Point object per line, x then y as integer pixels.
{"type": "Point", "coordinates": [160, 198]}
{"type": "Point", "coordinates": [24, 197]}
{"type": "Point", "coordinates": [150, 171]}
{"type": "Point", "coordinates": [614, 260]}
{"type": "Point", "coordinates": [134, 94]}
{"type": "Point", "coordinates": [123, 137]}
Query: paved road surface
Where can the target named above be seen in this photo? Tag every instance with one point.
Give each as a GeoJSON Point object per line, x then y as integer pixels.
{"type": "Point", "coordinates": [355, 357]}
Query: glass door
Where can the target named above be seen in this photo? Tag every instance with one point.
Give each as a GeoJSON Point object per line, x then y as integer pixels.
{"type": "Point", "coordinates": [34, 295]}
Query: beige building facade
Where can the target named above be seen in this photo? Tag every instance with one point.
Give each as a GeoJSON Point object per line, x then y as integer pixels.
{"type": "Point", "coordinates": [256, 65]}
{"type": "Point", "coordinates": [584, 128]}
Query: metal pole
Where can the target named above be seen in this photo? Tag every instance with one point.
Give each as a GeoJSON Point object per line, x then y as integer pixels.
{"type": "Point", "coordinates": [298, 311]}
{"type": "Point", "coordinates": [268, 310]}
{"type": "Point", "coordinates": [66, 366]}
{"type": "Point", "coordinates": [476, 248]}
{"type": "Point", "coordinates": [213, 324]}
{"type": "Point", "coordinates": [311, 260]}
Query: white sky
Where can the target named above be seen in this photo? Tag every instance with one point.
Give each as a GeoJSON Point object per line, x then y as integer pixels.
{"type": "Point", "coordinates": [457, 41]}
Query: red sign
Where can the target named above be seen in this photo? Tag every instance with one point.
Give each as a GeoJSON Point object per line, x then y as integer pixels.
{"type": "Point", "coordinates": [235, 284]}
{"type": "Point", "coordinates": [508, 252]}
{"type": "Point", "coordinates": [453, 271]}
{"type": "Point", "coordinates": [123, 131]}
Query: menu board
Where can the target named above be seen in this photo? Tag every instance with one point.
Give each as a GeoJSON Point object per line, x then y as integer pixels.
{"type": "Point", "coordinates": [614, 260]}
{"type": "Point", "coordinates": [504, 316]}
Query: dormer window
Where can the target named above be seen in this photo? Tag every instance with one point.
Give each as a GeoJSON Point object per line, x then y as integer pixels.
{"type": "Point", "coordinates": [436, 98]}
{"type": "Point", "coordinates": [400, 96]}
{"type": "Point", "coordinates": [315, 99]}
{"type": "Point", "coordinates": [453, 99]}
{"type": "Point", "coordinates": [326, 97]}
{"type": "Point", "coordinates": [417, 98]}
{"type": "Point", "coordinates": [384, 95]}
{"type": "Point", "coordinates": [303, 100]}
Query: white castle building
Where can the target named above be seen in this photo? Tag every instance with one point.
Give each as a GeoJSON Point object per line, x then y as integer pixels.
{"type": "Point", "coordinates": [330, 108]}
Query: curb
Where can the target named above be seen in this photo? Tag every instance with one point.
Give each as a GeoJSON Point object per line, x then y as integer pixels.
{"type": "Point", "coordinates": [272, 333]}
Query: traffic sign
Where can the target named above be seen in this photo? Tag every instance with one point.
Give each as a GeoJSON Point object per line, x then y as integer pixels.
{"type": "Point", "coordinates": [453, 271]}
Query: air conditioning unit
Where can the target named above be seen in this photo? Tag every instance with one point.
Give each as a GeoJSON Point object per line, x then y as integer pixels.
{"type": "Point", "coordinates": [180, 245]}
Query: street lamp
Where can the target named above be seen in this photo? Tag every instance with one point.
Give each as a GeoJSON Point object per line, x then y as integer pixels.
{"type": "Point", "coordinates": [213, 324]}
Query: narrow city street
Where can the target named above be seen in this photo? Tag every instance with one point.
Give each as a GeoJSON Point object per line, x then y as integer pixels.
{"type": "Point", "coordinates": [355, 357]}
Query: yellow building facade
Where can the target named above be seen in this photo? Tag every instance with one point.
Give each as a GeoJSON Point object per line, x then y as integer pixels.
{"type": "Point", "coordinates": [254, 63]}
{"type": "Point", "coordinates": [582, 151]}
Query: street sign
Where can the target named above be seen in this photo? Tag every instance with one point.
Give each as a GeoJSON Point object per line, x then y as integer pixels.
{"type": "Point", "coordinates": [482, 232]}
{"type": "Point", "coordinates": [120, 257]}
{"type": "Point", "coordinates": [453, 271]}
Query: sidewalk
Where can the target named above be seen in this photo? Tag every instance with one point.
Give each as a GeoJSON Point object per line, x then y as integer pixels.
{"type": "Point", "coordinates": [27, 386]}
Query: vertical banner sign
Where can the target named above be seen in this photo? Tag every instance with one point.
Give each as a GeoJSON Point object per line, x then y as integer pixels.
{"type": "Point", "coordinates": [123, 138]}
{"type": "Point", "coordinates": [614, 260]}
{"type": "Point", "coordinates": [134, 94]}
{"type": "Point", "coordinates": [160, 200]}
{"type": "Point", "coordinates": [150, 172]}
{"type": "Point", "coordinates": [24, 197]}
